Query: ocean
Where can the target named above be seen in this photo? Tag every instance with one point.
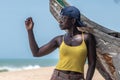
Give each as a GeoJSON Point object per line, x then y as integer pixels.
{"type": "Point", "coordinates": [25, 64]}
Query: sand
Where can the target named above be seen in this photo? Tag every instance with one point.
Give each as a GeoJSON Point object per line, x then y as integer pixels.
{"type": "Point", "coordinates": [43, 73]}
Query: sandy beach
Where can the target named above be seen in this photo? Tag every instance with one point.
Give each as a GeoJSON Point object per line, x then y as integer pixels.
{"type": "Point", "coordinates": [43, 73]}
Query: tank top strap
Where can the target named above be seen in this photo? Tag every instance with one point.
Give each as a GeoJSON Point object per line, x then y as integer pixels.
{"type": "Point", "coordinates": [63, 38]}
{"type": "Point", "coordinates": [82, 36]}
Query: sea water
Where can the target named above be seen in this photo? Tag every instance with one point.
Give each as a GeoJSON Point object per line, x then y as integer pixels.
{"type": "Point", "coordinates": [25, 64]}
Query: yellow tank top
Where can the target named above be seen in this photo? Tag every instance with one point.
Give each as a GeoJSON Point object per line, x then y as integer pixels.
{"type": "Point", "coordinates": [72, 58]}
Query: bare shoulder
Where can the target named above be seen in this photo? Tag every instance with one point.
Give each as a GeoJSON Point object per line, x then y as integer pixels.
{"type": "Point", "coordinates": [89, 37]}
{"type": "Point", "coordinates": [58, 39]}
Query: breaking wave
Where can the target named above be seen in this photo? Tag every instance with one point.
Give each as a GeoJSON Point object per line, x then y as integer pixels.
{"type": "Point", "coordinates": [9, 68]}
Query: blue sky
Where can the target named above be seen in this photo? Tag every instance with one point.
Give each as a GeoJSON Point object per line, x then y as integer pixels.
{"type": "Point", "coordinates": [13, 35]}
{"type": "Point", "coordinates": [104, 12]}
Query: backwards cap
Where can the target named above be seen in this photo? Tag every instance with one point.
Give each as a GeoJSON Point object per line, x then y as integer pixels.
{"type": "Point", "coordinates": [72, 12]}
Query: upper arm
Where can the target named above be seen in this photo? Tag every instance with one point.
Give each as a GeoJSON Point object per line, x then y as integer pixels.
{"type": "Point", "coordinates": [47, 48]}
{"type": "Point", "coordinates": [91, 49]}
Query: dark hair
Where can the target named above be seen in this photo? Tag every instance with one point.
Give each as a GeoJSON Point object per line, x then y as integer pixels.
{"type": "Point", "coordinates": [73, 12]}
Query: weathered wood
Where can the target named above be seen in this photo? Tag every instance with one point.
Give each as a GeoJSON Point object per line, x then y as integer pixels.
{"type": "Point", "coordinates": [108, 43]}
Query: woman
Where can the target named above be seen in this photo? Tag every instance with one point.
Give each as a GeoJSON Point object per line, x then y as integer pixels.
{"type": "Point", "coordinates": [74, 47]}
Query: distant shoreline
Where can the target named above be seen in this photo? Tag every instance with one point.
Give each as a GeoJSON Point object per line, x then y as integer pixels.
{"type": "Point", "coordinates": [42, 73]}
{"type": "Point", "coordinates": [7, 65]}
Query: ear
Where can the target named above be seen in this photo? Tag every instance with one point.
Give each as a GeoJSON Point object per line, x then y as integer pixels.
{"type": "Point", "coordinates": [73, 21]}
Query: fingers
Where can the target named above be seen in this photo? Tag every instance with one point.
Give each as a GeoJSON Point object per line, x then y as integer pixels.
{"type": "Point", "coordinates": [29, 23]}
{"type": "Point", "coordinates": [29, 19]}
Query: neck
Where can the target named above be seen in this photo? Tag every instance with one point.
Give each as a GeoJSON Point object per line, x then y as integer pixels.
{"type": "Point", "coordinates": [73, 31]}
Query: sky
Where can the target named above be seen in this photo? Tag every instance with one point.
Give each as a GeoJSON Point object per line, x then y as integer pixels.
{"type": "Point", "coordinates": [13, 35]}
{"type": "Point", "coordinates": [104, 12]}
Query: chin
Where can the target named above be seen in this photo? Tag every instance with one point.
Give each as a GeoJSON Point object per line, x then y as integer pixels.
{"type": "Point", "coordinates": [61, 28]}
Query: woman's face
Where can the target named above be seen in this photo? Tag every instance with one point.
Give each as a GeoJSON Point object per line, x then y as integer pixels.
{"type": "Point", "coordinates": [65, 22]}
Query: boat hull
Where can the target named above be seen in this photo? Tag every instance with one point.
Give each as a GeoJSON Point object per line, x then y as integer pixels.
{"type": "Point", "coordinates": [108, 43]}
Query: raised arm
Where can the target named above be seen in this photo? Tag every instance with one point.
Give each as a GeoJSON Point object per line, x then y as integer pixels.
{"type": "Point", "coordinates": [43, 50]}
{"type": "Point", "coordinates": [91, 56]}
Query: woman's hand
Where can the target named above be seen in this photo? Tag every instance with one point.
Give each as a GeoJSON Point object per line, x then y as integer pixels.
{"type": "Point", "coordinates": [29, 23]}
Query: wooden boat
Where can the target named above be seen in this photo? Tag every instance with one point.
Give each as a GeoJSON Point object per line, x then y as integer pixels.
{"type": "Point", "coordinates": [108, 43]}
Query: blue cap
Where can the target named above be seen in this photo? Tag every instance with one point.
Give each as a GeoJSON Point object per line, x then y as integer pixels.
{"type": "Point", "coordinates": [72, 12]}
